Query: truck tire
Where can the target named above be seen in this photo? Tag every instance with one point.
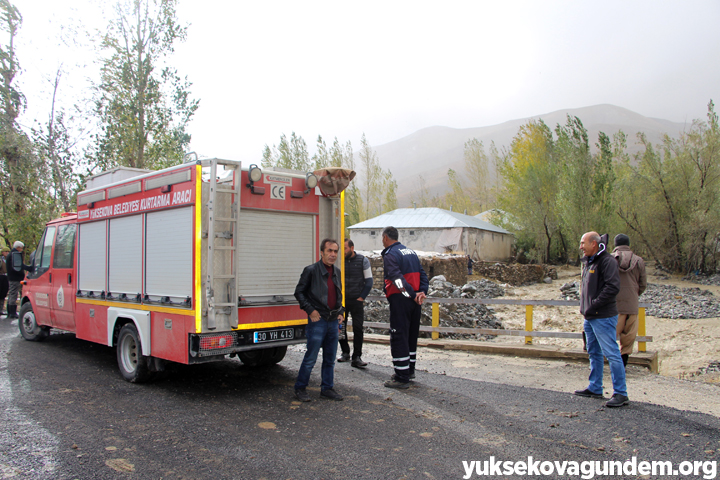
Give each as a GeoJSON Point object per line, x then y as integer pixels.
{"type": "Point", "coordinates": [133, 365]}
{"type": "Point", "coordinates": [29, 328]}
{"type": "Point", "coordinates": [265, 356]}
{"type": "Point", "coordinates": [276, 355]}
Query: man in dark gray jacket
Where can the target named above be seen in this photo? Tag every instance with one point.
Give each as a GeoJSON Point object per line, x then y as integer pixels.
{"type": "Point", "coordinates": [633, 282]}
{"type": "Point", "coordinates": [600, 285]}
{"type": "Point", "coordinates": [319, 293]}
{"type": "Point", "coordinates": [358, 282]}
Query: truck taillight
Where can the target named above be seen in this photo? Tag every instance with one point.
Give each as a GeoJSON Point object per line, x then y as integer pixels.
{"type": "Point", "coordinates": [217, 341]}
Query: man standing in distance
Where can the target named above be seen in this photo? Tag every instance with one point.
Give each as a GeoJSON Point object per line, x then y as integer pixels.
{"type": "Point", "coordinates": [406, 286]}
{"type": "Point", "coordinates": [600, 285]}
{"type": "Point", "coordinates": [358, 282]}
{"type": "Point", "coordinates": [319, 293]}
{"type": "Point", "coordinates": [3, 278]}
{"type": "Point", "coordinates": [15, 274]}
{"type": "Point", "coordinates": [633, 282]}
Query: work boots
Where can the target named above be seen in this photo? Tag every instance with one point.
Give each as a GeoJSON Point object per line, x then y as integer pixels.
{"type": "Point", "coordinates": [12, 311]}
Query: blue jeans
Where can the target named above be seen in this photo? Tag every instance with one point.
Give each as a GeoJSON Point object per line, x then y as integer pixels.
{"type": "Point", "coordinates": [319, 334]}
{"type": "Point", "coordinates": [601, 341]}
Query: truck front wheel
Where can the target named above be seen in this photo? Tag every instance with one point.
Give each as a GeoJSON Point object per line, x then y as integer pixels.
{"type": "Point", "coordinates": [133, 365]}
{"type": "Point", "coordinates": [29, 328]}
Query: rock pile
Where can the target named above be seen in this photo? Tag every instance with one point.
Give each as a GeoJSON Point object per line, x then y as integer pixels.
{"type": "Point", "coordinates": [515, 274]}
{"type": "Point", "coordinates": [452, 267]}
{"type": "Point", "coordinates": [713, 279]}
{"type": "Point", "coordinates": [668, 301]}
{"type": "Point", "coordinates": [451, 315]}
{"type": "Point", "coordinates": [570, 291]}
{"type": "Point", "coordinates": [713, 367]}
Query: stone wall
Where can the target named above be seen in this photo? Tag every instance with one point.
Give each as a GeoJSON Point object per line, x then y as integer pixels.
{"type": "Point", "coordinates": [453, 267]}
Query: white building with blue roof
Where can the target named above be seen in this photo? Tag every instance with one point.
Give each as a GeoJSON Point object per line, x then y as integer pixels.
{"type": "Point", "coordinates": [436, 230]}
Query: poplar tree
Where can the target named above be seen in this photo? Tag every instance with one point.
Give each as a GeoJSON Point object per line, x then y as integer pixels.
{"type": "Point", "coordinates": [24, 203]}
{"type": "Point", "coordinates": [291, 154]}
{"type": "Point", "coordinates": [529, 189]}
{"type": "Point", "coordinates": [476, 166]}
{"type": "Point", "coordinates": [143, 105]}
{"type": "Point", "coordinates": [379, 190]}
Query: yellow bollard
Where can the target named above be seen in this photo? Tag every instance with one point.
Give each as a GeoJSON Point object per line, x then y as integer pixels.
{"type": "Point", "coordinates": [528, 323]}
{"type": "Point", "coordinates": [435, 319]}
{"type": "Point", "coordinates": [641, 329]}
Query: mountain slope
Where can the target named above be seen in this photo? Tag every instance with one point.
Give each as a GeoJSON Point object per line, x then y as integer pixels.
{"type": "Point", "coordinates": [430, 152]}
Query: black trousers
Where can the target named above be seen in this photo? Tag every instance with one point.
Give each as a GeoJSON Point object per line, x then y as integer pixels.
{"type": "Point", "coordinates": [404, 331]}
{"type": "Point", "coordinates": [356, 310]}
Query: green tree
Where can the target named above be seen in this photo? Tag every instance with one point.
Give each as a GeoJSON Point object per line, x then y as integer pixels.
{"type": "Point", "coordinates": [575, 203]}
{"type": "Point", "coordinates": [457, 198]}
{"type": "Point", "coordinates": [390, 188]}
{"type": "Point", "coordinates": [603, 183]}
{"type": "Point", "coordinates": [291, 154]}
{"type": "Point", "coordinates": [478, 175]}
{"type": "Point", "coordinates": [671, 198]}
{"type": "Point", "coordinates": [372, 178]}
{"type": "Point", "coordinates": [143, 105]}
{"type": "Point", "coordinates": [342, 156]}
{"type": "Point", "coordinates": [321, 159]}
{"type": "Point", "coordinates": [528, 191]}
{"type": "Point", "coordinates": [24, 203]}
{"type": "Point", "coordinates": [56, 147]}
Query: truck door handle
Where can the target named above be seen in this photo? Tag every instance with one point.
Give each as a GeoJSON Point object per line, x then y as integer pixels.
{"type": "Point", "coordinates": [69, 278]}
{"type": "Point", "coordinates": [50, 277]}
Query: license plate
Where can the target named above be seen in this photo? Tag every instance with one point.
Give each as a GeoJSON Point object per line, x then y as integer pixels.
{"type": "Point", "coordinates": [274, 335]}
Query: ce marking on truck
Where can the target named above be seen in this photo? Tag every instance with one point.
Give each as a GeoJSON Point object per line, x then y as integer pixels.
{"type": "Point", "coordinates": [277, 192]}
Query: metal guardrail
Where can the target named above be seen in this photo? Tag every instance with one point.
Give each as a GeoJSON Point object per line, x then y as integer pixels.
{"type": "Point", "coordinates": [528, 333]}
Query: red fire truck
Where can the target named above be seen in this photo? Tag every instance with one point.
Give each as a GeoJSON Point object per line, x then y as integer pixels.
{"type": "Point", "coordinates": [186, 264]}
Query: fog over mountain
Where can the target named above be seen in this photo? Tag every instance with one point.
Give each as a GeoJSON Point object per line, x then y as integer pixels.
{"type": "Point", "coordinates": [430, 152]}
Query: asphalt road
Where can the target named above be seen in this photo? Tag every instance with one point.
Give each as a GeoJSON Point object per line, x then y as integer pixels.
{"type": "Point", "coordinates": [67, 414]}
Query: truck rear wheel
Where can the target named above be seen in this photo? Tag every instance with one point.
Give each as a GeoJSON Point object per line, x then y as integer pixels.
{"type": "Point", "coordinates": [266, 356]}
{"type": "Point", "coordinates": [29, 328]}
{"type": "Point", "coordinates": [133, 365]}
{"type": "Point", "coordinates": [276, 355]}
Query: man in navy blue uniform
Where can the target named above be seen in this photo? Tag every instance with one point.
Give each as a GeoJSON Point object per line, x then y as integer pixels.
{"type": "Point", "coordinates": [406, 286]}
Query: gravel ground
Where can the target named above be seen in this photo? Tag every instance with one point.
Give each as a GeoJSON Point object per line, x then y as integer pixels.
{"type": "Point", "coordinates": [684, 322]}
{"type": "Point", "coordinates": [666, 301]}
{"type": "Point", "coordinates": [555, 375]}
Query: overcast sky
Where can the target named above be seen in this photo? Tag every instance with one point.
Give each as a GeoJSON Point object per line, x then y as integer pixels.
{"type": "Point", "coordinates": [389, 68]}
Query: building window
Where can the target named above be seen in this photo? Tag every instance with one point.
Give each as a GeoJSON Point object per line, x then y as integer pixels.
{"type": "Point", "coordinates": [412, 233]}
{"type": "Point", "coordinates": [372, 233]}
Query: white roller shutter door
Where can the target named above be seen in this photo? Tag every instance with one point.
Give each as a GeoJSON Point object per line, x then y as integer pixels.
{"type": "Point", "coordinates": [125, 269]}
{"type": "Point", "coordinates": [168, 254]}
{"type": "Point", "coordinates": [92, 267]}
{"type": "Point", "coordinates": [273, 249]}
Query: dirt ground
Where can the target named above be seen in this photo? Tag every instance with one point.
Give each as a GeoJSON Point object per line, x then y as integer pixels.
{"type": "Point", "coordinates": [683, 345]}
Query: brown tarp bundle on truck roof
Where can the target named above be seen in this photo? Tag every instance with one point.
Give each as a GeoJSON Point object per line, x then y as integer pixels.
{"type": "Point", "coordinates": [333, 180]}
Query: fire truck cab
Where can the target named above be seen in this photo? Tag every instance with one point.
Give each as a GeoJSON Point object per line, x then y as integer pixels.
{"type": "Point", "coordinates": [186, 264]}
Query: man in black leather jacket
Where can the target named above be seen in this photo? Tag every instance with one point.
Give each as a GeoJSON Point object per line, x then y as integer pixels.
{"type": "Point", "coordinates": [319, 293]}
{"type": "Point", "coordinates": [600, 286]}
